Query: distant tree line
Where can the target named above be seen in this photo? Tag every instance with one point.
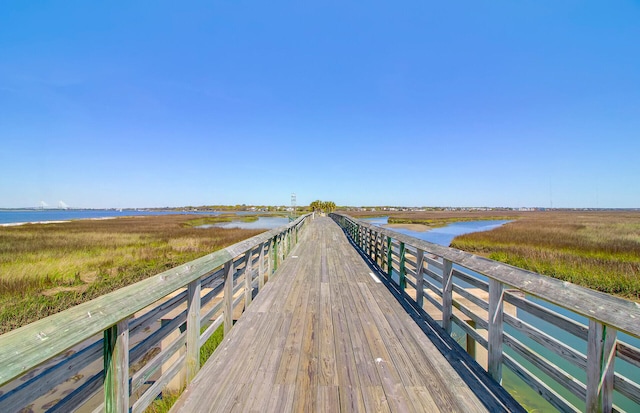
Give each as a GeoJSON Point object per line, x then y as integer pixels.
{"type": "Point", "coordinates": [324, 206]}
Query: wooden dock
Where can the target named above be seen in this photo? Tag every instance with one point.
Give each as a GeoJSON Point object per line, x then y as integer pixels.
{"type": "Point", "coordinates": [327, 335]}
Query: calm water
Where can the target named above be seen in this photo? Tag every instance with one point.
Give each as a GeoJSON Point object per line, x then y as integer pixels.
{"type": "Point", "coordinates": [442, 235]}
{"type": "Point", "coordinates": [14, 216]}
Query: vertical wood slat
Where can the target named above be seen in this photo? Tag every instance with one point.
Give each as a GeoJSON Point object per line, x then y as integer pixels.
{"type": "Point", "coordinates": [261, 267]}
{"type": "Point", "coordinates": [608, 369]}
{"type": "Point", "coordinates": [367, 241]}
{"type": "Point", "coordinates": [447, 295]}
{"type": "Point", "coordinates": [600, 367]}
{"type": "Point", "coordinates": [268, 257]}
{"type": "Point", "coordinates": [275, 253]}
{"type": "Point", "coordinates": [389, 259]}
{"type": "Point", "coordinates": [376, 254]}
{"type": "Point", "coordinates": [248, 278]}
{"type": "Point", "coordinates": [494, 362]}
{"type": "Point", "coordinates": [419, 278]}
{"type": "Point", "coordinates": [402, 280]}
{"type": "Point", "coordinates": [193, 330]}
{"type": "Point", "coordinates": [116, 368]}
{"type": "Point", "coordinates": [228, 296]}
{"type": "Point", "coordinates": [372, 251]}
{"type": "Point", "coordinates": [365, 245]}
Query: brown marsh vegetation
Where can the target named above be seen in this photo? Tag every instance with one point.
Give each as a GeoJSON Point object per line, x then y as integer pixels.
{"type": "Point", "coordinates": [46, 268]}
{"type": "Point", "coordinates": [595, 249]}
{"type": "Point", "coordinates": [598, 250]}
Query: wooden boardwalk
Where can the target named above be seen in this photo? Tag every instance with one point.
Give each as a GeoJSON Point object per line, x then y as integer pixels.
{"type": "Point", "coordinates": [324, 335]}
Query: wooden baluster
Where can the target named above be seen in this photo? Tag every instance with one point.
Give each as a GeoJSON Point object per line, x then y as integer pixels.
{"type": "Point", "coordinates": [248, 278]}
{"type": "Point", "coordinates": [116, 368]}
{"type": "Point", "coordinates": [601, 349]}
{"type": "Point", "coordinates": [376, 250]}
{"type": "Point", "coordinates": [193, 329]}
{"type": "Point", "coordinates": [389, 259]}
{"type": "Point", "coordinates": [494, 362]}
{"type": "Point", "coordinates": [365, 240]}
{"type": "Point", "coordinates": [276, 242]}
{"type": "Point", "coordinates": [402, 280]}
{"type": "Point", "coordinates": [283, 250]}
{"type": "Point", "coordinates": [268, 258]}
{"type": "Point", "coordinates": [447, 295]}
{"type": "Point", "coordinates": [261, 268]}
{"type": "Point", "coordinates": [419, 278]}
{"type": "Point", "coordinates": [228, 296]}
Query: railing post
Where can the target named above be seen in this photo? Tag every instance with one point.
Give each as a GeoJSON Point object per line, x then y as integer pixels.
{"type": "Point", "coordinates": [116, 368]}
{"type": "Point", "coordinates": [228, 296]}
{"type": "Point", "coordinates": [269, 257]}
{"type": "Point", "coordinates": [447, 295]}
{"type": "Point", "coordinates": [288, 236]}
{"type": "Point", "coordinates": [276, 242]}
{"type": "Point", "coordinates": [193, 329]}
{"type": "Point", "coordinates": [494, 362]}
{"type": "Point", "coordinates": [601, 349]}
{"type": "Point", "coordinates": [365, 241]}
{"type": "Point", "coordinates": [389, 259]}
{"type": "Point", "coordinates": [261, 268]}
{"type": "Point", "coordinates": [419, 278]}
{"type": "Point", "coordinates": [376, 251]}
{"type": "Point", "coordinates": [283, 250]}
{"type": "Point", "coordinates": [402, 280]}
{"type": "Point", "coordinates": [248, 278]}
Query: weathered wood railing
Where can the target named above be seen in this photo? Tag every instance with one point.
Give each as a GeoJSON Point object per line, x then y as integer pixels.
{"type": "Point", "coordinates": [118, 352]}
{"type": "Point", "coordinates": [531, 337]}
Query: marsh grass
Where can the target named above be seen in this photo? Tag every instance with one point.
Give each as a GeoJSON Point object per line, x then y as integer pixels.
{"type": "Point", "coordinates": [598, 250]}
{"type": "Point", "coordinates": [218, 219]}
{"type": "Point", "coordinates": [45, 269]}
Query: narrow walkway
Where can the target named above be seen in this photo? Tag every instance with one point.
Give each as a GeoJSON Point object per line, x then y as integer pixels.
{"type": "Point", "coordinates": [324, 336]}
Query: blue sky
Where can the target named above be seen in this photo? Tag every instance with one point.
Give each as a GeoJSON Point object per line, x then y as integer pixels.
{"type": "Point", "coordinates": [457, 103]}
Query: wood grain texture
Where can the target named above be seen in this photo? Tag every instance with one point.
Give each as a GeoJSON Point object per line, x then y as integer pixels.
{"type": "Point", "coordinates": [29, 346]}
{"type": "Point", "coordinates": [619, 313]}
{"type": "Point", "coordinates": [324, 336]}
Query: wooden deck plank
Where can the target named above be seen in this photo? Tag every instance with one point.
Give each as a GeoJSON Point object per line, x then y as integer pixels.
{"type": "Point", "coordinates": [323, 336]}
{"type": "Point", "coordinates": [432, 372]}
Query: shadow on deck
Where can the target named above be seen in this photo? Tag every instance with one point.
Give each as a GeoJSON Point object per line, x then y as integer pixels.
{"type": "Point", "coordinates": [329, 334]}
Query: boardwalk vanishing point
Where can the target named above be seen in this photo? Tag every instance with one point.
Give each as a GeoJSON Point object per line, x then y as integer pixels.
{"type": "Point", "coordinates": [331, 315]}
{"type": "Point", "coordinates": [326, 335]}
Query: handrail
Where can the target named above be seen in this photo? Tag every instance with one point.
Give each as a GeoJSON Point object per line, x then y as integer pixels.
{"type": "Point", "coordinates": [28, 347]}
{"type": "Point", "coordinates": [442, 280]}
